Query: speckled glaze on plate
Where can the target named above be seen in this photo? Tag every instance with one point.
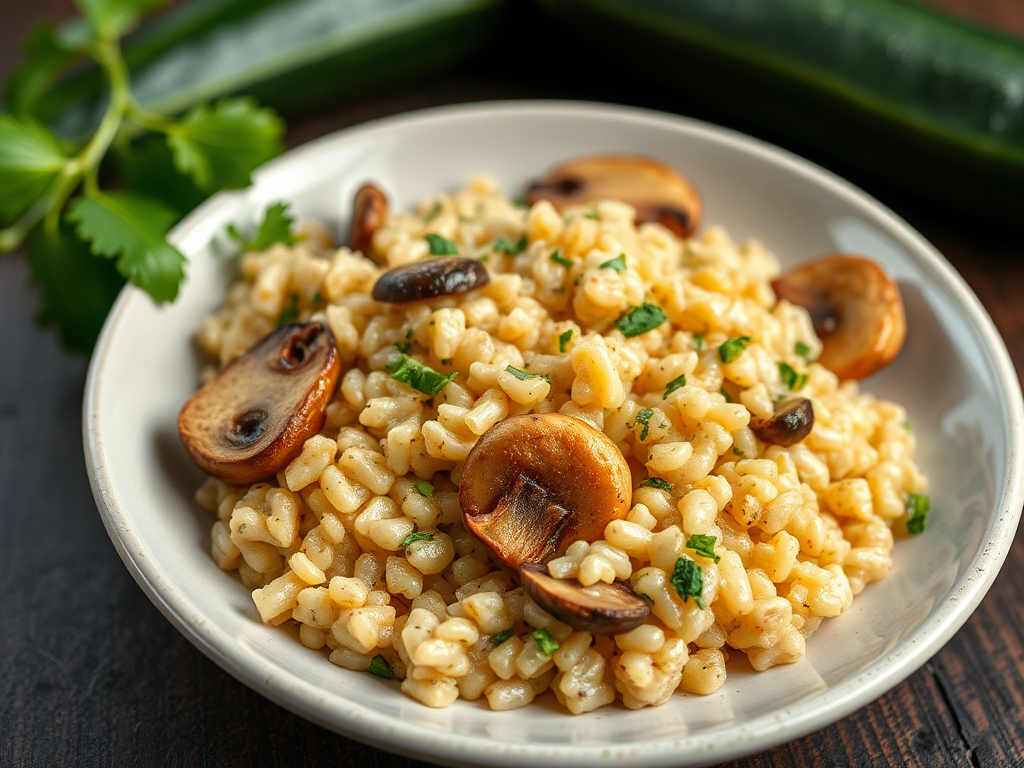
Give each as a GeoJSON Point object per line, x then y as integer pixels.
{"type": "Point", "coordinates": [954, 375]}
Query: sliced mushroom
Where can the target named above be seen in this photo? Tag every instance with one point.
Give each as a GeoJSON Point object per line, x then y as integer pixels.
{"type": "Point", "coordinates": [601, 609]}
{"type": "Point", "coordinates": [535, 483]}
{"type": "Point", "coordinates": [369, 211]}
{"type": "Point", "coordinates": [856, 310]}
{"type": "Point", "coordinates": [253, 417]}
{"type": "Point", "coordinates": [792, 422]}
{"type": "Point", "coordinates": [429, 279]}
{"type": "Point", "coordinates": [657, 192]}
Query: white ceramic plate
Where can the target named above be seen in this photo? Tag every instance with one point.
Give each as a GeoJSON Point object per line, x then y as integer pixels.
{"type": "Point", "coordinates": [954, 375]}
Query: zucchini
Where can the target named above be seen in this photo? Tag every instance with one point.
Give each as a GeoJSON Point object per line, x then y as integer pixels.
{"type": "Point", "coordinates": [293, 55]}
{"type": "Point", "coordinates": [921, 100]}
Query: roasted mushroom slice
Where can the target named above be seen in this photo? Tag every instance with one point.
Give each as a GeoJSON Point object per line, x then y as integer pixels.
{"type": "Point", "coordinates": [601, 609]}
{"type": "Point", "coordinates": [856, 310]}
{"type": "Point", "coordinates": [535, 483]}
{"type": "Point", "coordinates": [369, 211]}
{"type": "Point", "coordinates": [792, 422]}
{"type": "Point", "coordinates": [657, 192]}
{"type": "Point", "coordinates": [429, 279]}
{"type": "Point", "coordinates": [253, 417]}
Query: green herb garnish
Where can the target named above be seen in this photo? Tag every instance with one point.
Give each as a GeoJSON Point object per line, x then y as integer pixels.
{"type": "Point", "coordinates": [802, 350]}
{"type": "Point", "coordinates": [545, 641]}
{"type": "Point", "coordinates": [558, 258]}
{"type": "Point", "coordinates": [592, 215]}
{"type": "Point", "coordinates": [276, 227]}
{"type": "Point", "coordinates": [441, 246]}
{"type": "Point", "coordinates": [418, 376]}
{"type": "Point", "coordinates": [688, 579]}
{"type": "Point", "coordinates": [918, 506]}
{"type": "Point", "coordinates": [703, 546]}
{"type": "Point", "coordinates": [409, 334]}
{"type": "Point", "coordinates": [403, 347]}
{"type": "Point", "coordinates": [520, 202]}
{"type": "Point", "coordinates": [618, 263]}
{"type": "Point", "coordinates": [638, 320]}
{"type": "Point", "coordinates": [563, 339]}
{"type": "Point", "coordinates": [725, 394]}
{"type": "Point", "coordinates": [737, 452]}
{"type": "Point", "coordinates": [290, 312]}
{"type": "Point", "coordinates": [433, 213]}
{"type": "Point", "coordinates": [698, 341]}
{"type": "Point", "coordinates": [524, 375]}
{"type": "Point", "coordinates": [501, 637]}
{"type": "Point", "coordinates": [643, 418]}
{"type": "Point", "coordinates": [656, 482]}
{"type": "Point", "coordinates": [424, 488]}
{"type": "Point", "coordinates": [419, 535]}
{"type": "Point", "coordinates": [795, 381]}
{"type": "Point", "coordinates": [508, 247]}
{"type": "Point", "coordinates": [318, 298]}
{"type": "Point", "coordinates": [380, 668]}
{"type": "Point", "coordinates": [672, 386]}
{"type": "Point", "coordinates": [733, 348]}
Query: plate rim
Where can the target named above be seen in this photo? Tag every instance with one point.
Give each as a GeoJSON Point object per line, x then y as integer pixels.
{"type": "Point", "coordinates": [764, 732]}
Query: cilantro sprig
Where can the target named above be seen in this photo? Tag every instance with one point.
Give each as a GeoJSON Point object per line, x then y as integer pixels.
{"type": "Point", "coordinates": [276, 227]}
{"type": "Point", "coordinates": [85, 239]}
{"type": "Point", "coordinates": [918, 507]}
{"type": "Point", "coordinates": [733, 348]}
{"type": "Point", "coordinates": [418, 376]}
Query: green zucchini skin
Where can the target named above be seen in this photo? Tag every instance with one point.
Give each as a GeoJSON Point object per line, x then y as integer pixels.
{"type": "Point", "coordinates": [919, 99]}
{"type": "Point", "coordinates": [294, 55]}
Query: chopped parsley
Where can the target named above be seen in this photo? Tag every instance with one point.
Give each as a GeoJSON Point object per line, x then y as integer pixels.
{"type": "Point", "coordinates": [672, 386]}
{"type": "Point", "coordinates": [524, 375]}
{"type": "Point", "coordinates": [433, 213]}
{"type": "Point", "coordinates": [737, 452]}
{"type": "Point", "coordinates": [802, 350]}
{"type": "Point", "coordinates": [418, 536]}
{"type": "Point", "coordinates": [791, 378]}
{"type": "Point", "coordinates": [409, 334]}
{"type": "Point", "coordinates": [725, 394]}
{"type": "Point", "coordinates": [441, 246]}
{"type": "Point", "coordinates": [688, 579]}
{"type": "Point", "coordinates": [290, 313]}
{"type": "Point", "coordinates": [558, 258]}
{"type": "Point", "coordinates": [733, 348]}
{"type": "Point", "coordinates": [563, 339]}
{"type": "Point", "coordinates": [643, 418]}
{"type": "Point", "coordinates": [907, 426]}
{"type": "Point", "coordinates": [545, 641]}
{"type": "Point", "coordinates": [918, 506]}
{"type": "Point", "coordinates": [318, 298]}
{"type": "Point", "coordinates": [638, 320]}
{"type": "Point", "coordinates": [592, 215]}
{"type": "Point", "coordinates": [618, 263]}
{"type": "Point", "coordinates": [418, 376]}
{"type": "Point", "coordinates": [501, 245]}
{"type": "Point", "coordinates": [656, 482]}
{"type": "Point", "coordinates": [403, 347]}
{"type": "Point", "coordinates": [520, 202]}
{"type": "Point", "coordinates": [484, 256]}
{"type": "Point", "coordinates": [501, 637]}
{"type": "Point", "coordinates": [424, 488]}
{"type": "Point", "coordinates": [703, 546]}
{"type": "Point", "coordinates": [380, 668]}
{"type": "Point", "coordinates": [698, 341]}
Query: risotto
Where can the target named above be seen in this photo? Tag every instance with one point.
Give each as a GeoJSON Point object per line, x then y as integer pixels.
{"type": "Point", "coordinates": [670, 350]}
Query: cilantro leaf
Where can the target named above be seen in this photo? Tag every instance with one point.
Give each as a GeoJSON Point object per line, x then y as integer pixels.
{"type": "Point", "coordinates": [30, 160]}
{"type": "Point", "coordinates": [433, 213]}
{"type": "Point", "coordinates": [508, 247]}
{"type": "Point", "coordinates": [545, 641]}
{"type": "Point", "coordinates": [220, 145]}
{"type": "Point", "coordinates": [644, 419]}
{"type": "Point", "coordinates": [638, 320]}
{"type": "Point", "coordinates": [501, 637]}
{"type": "Point", "coordinates": [698, 341]}
{"type": "Point", "coordinates": [77, 288]}
{"type": "Point", "coordinates": [802, 350]}
{"type": "Point", "coordinates": [672, 386]}
{"type": "Point", "coordinates": [424, 489]}
{"type": "Point", "coordinates": [417, 536]}
{"type": "Point", "coordinates": [656, 482]}
{"type": "Point", "coordinates": [380, 667]}
{"type": "Point", "coordinates": [45, 58]}
{"type": "Point", "coordinates": [725, 394]}
{"type": "Point", "coordinates": [791, 378]}
{"type": "Point", "coordinates": [290, 313]}
{"type": "Point", "coordinates": [733, 348]}
{"type": "Point", "coordinates": [524, 375]}
{"type": "Point", "coordinates": [147, 167]}
{"type": "Point", "coordinates": [441, 246]}
{"type": "Point", "coordinates": [918, 507]}
{"type": "Point", "coordinates": [557, 257]}
{"type": "Point", "coordinates": [618, 263]}
{"type": "Point", "coordinates": [113, 18]}
{"type": "Point", "coordinates": [276, 228]}
{"type": "Point", "coordinates": [688, 580]}
{"type": "Point", "coordinates": [592, 215]}
{"type": "Point", "coordinates": [131, 229]}
{"type": "Point", "coordinates": [418, 376]}
{"type": "Point", "coordinates": [563, 339]}
{"type": "Point", "coordinates": [703, 545]}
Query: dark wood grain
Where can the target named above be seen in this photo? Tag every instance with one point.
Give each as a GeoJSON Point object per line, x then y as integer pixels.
{"type": "Point", "coordinates": [92, 675]}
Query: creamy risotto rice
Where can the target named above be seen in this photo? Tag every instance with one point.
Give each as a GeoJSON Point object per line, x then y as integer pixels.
{"type": "Point", "coordinates": [359, 542]}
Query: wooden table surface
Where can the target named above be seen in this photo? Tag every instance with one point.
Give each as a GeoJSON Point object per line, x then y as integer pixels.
{"type": "Point", "coordinates": [92, 675]}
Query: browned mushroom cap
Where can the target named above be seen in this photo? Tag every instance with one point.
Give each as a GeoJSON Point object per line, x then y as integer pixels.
{"type": "Point", "coordinates": [656, 191]}
{"type": "Point", "coordinates": [535, 483]}
{"type": "Point", "coordinates": [856, 310]}
{"type": "Point", "coordinates": [792, 422]}
{"type": "Point", "coordinates": [369, 210]}
{"type": "Point", "coordinates": [252, 418]}
{"type": "Point", "coordinates": [601, 609]}
{"type": "Point", "coordinates": [427, 279]}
